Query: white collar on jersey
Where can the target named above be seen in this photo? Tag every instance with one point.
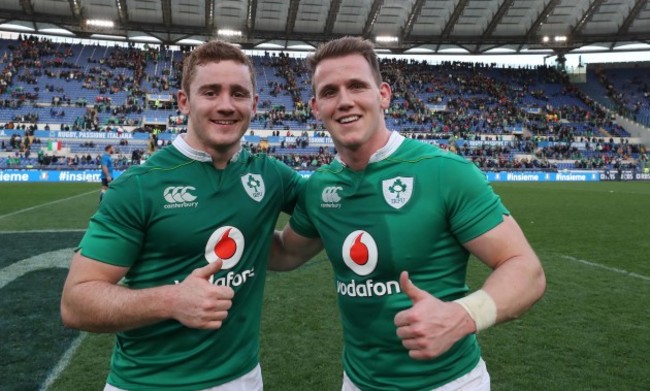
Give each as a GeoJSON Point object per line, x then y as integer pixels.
{"type": "Point", "coordinates": [184, 148]}
{"type": "Point", "coordinates": [394, 141]}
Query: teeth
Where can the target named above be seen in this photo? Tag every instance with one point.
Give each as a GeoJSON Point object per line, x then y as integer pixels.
{"type": "Point", "coordinates": [349, 119]}
{"type": "Point", "coordinates": [224, 122]}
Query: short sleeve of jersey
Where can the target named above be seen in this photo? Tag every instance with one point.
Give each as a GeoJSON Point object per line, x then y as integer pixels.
{"type": "Point", "coordinates": [115, 231]}
{"type": "Point", "coordinates": [472, 206]}
{"type": "Point", "coordinates": [300, 221]}
{"type": "Point", "coordinates": [292, 183]}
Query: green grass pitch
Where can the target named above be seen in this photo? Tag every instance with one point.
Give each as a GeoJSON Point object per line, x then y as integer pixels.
{"type": "Point", "coordinates": [591, 331]}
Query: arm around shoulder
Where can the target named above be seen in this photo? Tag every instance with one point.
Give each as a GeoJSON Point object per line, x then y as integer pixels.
{"type": "Point", "coordinates": [290, 250]}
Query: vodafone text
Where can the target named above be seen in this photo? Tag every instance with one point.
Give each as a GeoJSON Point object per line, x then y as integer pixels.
{"type": "Point", "coordinates": [367, 288]}
{"type": "Point", "coordinates": [231, 279]}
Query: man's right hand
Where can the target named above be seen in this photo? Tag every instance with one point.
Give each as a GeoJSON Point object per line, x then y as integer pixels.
{"type": "Point", "coordinates": [199, 303]}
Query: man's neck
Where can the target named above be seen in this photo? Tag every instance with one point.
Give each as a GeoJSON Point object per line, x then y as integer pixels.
{"type": "Point", "coordinates": [358, 159]}
{"type": "Point", "coordinates": [219, 157]}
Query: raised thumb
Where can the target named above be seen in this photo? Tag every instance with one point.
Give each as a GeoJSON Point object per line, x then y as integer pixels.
{"type": "Point", "coordinates": [412, 291]}
{"type": "Point", "coordinates": [208, 270]}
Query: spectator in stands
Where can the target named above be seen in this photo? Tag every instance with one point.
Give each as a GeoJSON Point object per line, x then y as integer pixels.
{"type": "Point", "coordinates": [107, 171]}
{"type": "Point", "coordinates": [152, 143]}
{"type": "Point", "coordinates": [136, 156]}
{"type": "Point", "coordinates": [190, 231]}
{"type": "Point", "coordinates": [400, 256]}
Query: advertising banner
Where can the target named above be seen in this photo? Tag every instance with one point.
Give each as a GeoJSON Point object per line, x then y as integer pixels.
{"type": "Point", "coordinates": [53, 176]}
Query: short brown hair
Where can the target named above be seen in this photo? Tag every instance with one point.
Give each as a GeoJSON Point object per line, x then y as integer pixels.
{"type": "Point", "coordinates": [214, 51]}
{"type": "Point", "coordinates": [342, 47]}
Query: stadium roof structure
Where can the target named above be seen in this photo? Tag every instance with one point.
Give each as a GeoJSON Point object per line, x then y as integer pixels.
{"type": "Point", "coordinates": [397, 26]}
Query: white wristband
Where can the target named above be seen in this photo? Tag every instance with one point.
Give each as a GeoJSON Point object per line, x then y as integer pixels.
{"type": "Point", "coordinates": [480, 307]}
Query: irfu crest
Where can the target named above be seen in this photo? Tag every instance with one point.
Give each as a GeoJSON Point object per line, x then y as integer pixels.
{"type": "Point", "coordinates": [397, 191]}
{"type": "Point", "coordinates": [254, 186]}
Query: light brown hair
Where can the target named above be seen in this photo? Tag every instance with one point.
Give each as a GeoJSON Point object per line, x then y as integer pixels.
{"type": "Point", "coordinates": [342, 47]}
{"type": "Point", "coordinates": [214, 51]}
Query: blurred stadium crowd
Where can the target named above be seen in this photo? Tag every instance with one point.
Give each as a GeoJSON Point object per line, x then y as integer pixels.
{"type": "Point", "coordinates": [500, 118]}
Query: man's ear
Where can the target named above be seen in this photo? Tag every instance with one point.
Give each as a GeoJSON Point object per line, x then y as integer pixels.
{"type": "Point", "coordinates": [314, 108]}
{"type": "Point", "coordinates": [183, 102]}
{"type": "Point", "coordinates": [256, 99]}
{"type": "Point", "coordinates": [386, 94]}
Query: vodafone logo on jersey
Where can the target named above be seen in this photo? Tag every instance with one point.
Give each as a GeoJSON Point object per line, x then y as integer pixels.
{"type": "Point", "coordinates": [227, 244]}
{"type": "Point", "coordinates": [360, 252]}
{"type": "Point", "coordinates": [360, 255]}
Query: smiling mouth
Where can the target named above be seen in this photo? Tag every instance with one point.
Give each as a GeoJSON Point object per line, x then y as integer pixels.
{"type": "Point", "coordinates": [224, 122]}
{"type": "Point", "coordinates": [347, 120]}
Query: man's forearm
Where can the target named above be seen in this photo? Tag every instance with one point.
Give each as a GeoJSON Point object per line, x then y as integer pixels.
{"type": "Point", "coordinates": [515, 286]}
{"type": "Point", "coordinates": [289, 250]}
{"type": "Point", "coordinates": [102, 307]}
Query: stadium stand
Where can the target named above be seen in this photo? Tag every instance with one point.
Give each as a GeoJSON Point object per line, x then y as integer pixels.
{"type": "Point", "coordinates": [498, 117]}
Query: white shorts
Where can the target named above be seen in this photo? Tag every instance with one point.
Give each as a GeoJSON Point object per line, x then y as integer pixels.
{"type": "Point", "coordinates": [252, 381]}
{"type": "Point", "coordinates": [478, 379]}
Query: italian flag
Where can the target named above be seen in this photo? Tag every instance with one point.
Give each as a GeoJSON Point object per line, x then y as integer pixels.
{"type": "Point", "coordinates": [54, 146]}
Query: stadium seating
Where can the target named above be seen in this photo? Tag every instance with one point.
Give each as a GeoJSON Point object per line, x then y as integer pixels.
{"type": "Point", "coordinates": [118, 88]}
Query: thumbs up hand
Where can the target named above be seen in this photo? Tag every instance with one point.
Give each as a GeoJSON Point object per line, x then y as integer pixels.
{"type": "Point", "coordinates": [208, 270]}
{"type": "Point", "coordinates": [200, 304]}
{"type": "Point", "coordinates": [431, 326]}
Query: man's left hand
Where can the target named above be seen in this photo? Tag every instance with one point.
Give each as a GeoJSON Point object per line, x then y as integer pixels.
{"type": "Point", "coordinates": [431, 326]}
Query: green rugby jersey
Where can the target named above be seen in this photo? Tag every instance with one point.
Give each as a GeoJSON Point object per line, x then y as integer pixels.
{"type": "Point", "coordinates": [410, 209]}
{"type": "Point", "coordinates": [172, 215]}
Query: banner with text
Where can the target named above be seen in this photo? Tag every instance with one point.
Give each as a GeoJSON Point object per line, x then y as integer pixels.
{"type": "Point", "coordinates": [501, 176]}
{"type": "Point", "coordinates": [52, 176]}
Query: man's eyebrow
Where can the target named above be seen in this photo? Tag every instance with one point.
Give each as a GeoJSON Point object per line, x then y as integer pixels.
{"type": "Point", "coordinates": [347, 82]}
{"type": "Point", "coordinates": [215, 86]}
{"type": "Point", "coordinates": [327, 86]}
{"type": "Point", "coordinates": [355, 80]}
{"type": "Point", "coordinates": [219, 87]}
{"type": "Point", "coordinates": [239, 87]}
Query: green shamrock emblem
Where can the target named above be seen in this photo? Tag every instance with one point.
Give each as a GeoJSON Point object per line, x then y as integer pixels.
{"type": "Point", "coordinates": [397, 187]}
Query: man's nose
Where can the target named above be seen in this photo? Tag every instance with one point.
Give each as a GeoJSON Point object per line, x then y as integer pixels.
{"type": "Point", "coordinates": [225, 103]}
{"type": "Point", "coordinates": [345, 99]}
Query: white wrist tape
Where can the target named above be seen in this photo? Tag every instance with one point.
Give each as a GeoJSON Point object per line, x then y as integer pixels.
{"type": "Point", "coordinates": [480, 307]}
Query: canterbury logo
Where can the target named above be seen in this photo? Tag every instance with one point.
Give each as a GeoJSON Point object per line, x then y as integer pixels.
{"type": "Point", "coordinates": [179, 194]}
{"type": "Point", "coordinates": [330, 194]}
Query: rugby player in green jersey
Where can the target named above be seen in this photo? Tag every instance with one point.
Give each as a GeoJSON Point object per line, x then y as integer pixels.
{"type": "Point", "coordinates": [398, 219]}
{"type": "Point", "coordinates": [175, 258]}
